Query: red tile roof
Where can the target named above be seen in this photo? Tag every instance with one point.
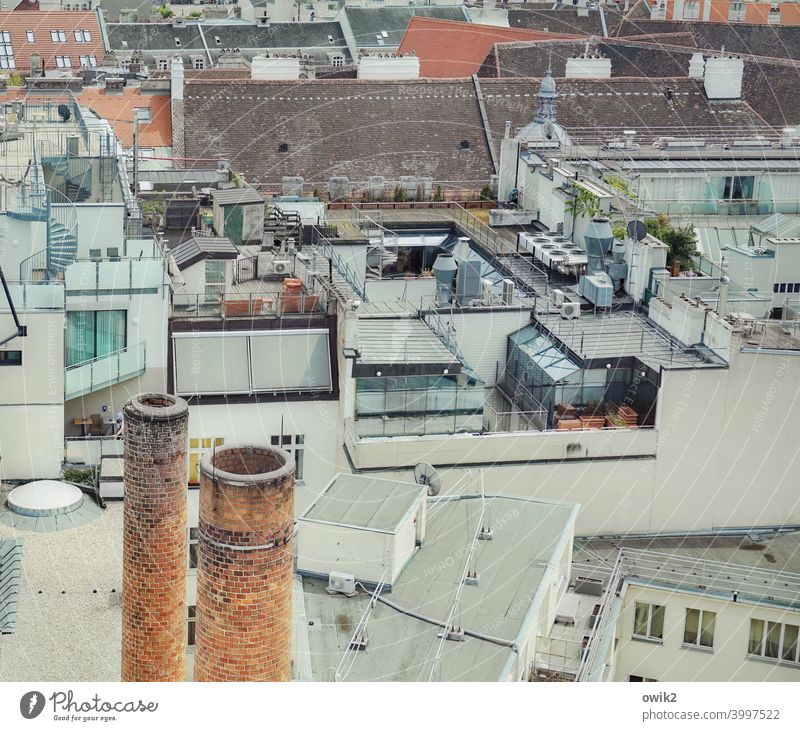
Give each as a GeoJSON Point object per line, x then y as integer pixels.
{"type": "Point", "coordinates": [118, 110]}
{"type": "Point", "coordinates": [451, 50]}
{"type": "Point", "coordinates": [18, 22]}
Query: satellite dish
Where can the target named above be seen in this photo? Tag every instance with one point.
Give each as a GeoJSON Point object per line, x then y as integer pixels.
{"type": "Point", "coordinates": [636, 230]}
{"type": "Point", "coordinates": [64, 113]}
{"type": "Point", "coordinates": [426, 474]}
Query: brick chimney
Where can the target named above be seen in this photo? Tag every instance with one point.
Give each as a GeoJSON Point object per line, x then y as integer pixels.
{"type": "Point", "coordinates": [244, 573]}
{"type": "Point", "coordinates": [154, 539]}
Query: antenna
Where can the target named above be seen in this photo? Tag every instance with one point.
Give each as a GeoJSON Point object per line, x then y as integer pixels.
{"type": "Point", "coordinates": [425, 474]}
{"type": "Point", "coordinates": [636, 230]}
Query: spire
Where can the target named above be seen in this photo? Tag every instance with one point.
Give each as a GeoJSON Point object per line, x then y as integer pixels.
{"type": "Point", "coordinates": [546, 99]}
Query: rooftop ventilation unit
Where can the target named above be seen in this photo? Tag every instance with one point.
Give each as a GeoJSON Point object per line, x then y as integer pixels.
{"type": "Point", "coordinates": [557, 296]}
{"type": "Point", "coordinates": [280, 267]}
{"type": "Point", "coordinates": [508, 292]}
{"type": "Point", "coordinates": [570, 310]}
{"type": "Point", "coordinates": [339, 583]}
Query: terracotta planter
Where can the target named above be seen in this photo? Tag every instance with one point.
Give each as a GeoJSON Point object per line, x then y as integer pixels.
{"type": "Point", "coordinates": [568, 424]}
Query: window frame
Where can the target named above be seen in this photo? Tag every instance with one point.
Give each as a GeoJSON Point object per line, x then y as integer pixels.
{"type": "Point", "coordinates": [652, 610]}
{"type": "Point", "coordinates": [10, 362]}
{"type": "Point", "coordinates": [697, 643]}
{"type": "Point", "coordinates": [764, 641]}
{"type": "Point", "coordinates": [294, 444]}
{"type": "Point", "coordinates": [30, 36]}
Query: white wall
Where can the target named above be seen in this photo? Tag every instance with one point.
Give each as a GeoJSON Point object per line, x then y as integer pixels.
{"type": "Point", "coordinates": [671, 662]}
{"type": "Point", "coordinates": [31, 400]}
{"type": "Point", "coordinates": [255, 423]}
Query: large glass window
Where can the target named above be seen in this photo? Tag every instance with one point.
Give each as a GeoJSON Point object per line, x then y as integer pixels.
{"type": "Point", "coordinates": [738, 188]}
{"type": "Point", "coordinates": [215, 280]}
{"type": "Point", "coordinates": [91, 334]}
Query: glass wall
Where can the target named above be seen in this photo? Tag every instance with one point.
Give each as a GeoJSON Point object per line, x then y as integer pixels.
{"type": "Point", "coordinates": [91, 334]}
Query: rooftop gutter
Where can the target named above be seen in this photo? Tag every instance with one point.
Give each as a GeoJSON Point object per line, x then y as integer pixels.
{"type": "Point", "coordinates": [485, 119]}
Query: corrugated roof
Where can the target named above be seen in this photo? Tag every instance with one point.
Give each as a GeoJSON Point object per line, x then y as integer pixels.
{"type": "Point", "coordinates": [402, 342]}
{"type": "Point", "coordinates": [203, 247]}
{"type": "Point", "coordinates": [230, 196]}
{"type": "Point", "coordinates": [365, 502]}
{"type": "Point", "coordinates": [41, 24]}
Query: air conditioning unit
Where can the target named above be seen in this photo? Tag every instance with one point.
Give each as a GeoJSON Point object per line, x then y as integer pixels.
{"type": "Point", "coordinates": [341, 583]}
{"type": "Point", "coordinates": [571, 310]}
{"type": "Point", "coordinates": [558, 297]}
{"type": "Point", "coordinates": [281, 267]}
{"type": "Point", "coordinates": [508, 292]}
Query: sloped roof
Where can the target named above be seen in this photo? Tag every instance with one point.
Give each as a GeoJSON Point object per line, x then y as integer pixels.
{"type": "Point", "coordinates": [197, 248]}
{"type": "Point", "coordinates": [592, 109]}
{"type": "Point", "coordinates": [118, 109]}
{"type": "Point", "coordinates": [162, 36]}
{"type": "Point", "coordinates": [451, 50]}
{"type": "Point", "coordinates": [18, 22]}
{"type": "Point", "coordinates": [564, 20]}
{"type": "Point", "coordinates": [772, 41]}
{"type": "Point", "coordinates": [342, 127]}
{"type": "Point", "coordinates": [368, 24]}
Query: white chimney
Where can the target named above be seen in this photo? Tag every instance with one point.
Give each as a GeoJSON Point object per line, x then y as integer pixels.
{"type": "Point", "coordinates": [723, 78]}
{"type": "Point", "coordinates": [388, 67]}
{"type": "Point", "coordinates": [176, 78]}
{"type": "Point", "coordinates": [275, 68]}
{"type": "Point", "coordinates": [697, 66]}
{"type": "Point", "coordinates": [588, 66]}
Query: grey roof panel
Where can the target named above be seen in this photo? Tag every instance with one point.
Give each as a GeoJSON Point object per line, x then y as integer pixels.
{"type": "Point", "coordinates": [401, 341]}
{"type": "Point", "coordinates": [369, 23]}
{"type": "Point", "coordinates": [203, 247]}
{"type": "Point", "coordinates": [229, 196]}
{"type": "Point", "coordinates": [365, 502]}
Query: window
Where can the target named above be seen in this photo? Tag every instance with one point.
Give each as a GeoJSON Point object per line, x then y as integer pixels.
{"type": "Point", "coordinates": [791, 287]}
{"type": "Point", "coordinates": [738, 188]}
{"type": "Point", "coordinates": [91, 334]}
{"type": "Point", "coordinates": [88, 62]}
{"type": "Point", "coordinates": [199, 64]}
{"type": "Point", "coordinates": [191, 618]}
{"type": "Point", "coordinates": [337, 61]}
{"type": "Point", "coordinates": [773, 640]}
{"type": "Point", "coordinates": [178, 42]}
{"type": "Point", "coordinates": [5, 36]}
{"type": "Point", "coordinates": [83, 36]}
{"type": "Point", "coordinates": [648, 621]}
{"type": "Point", "coordinates": [194, 540]}
{"type": "Point", "coordinates": [691, 10]}
{"type": "Point", "coordinates": [63, 62]}
{"type": "Point", "coordinates": [218, 40]}
{"type": "Point", "coordinates": [197, 447]}
{"type": "Point", "coordinates": [58, 36]}
{"type": "Point", "coordinates": [10, 357]}
{"type": "Point", "coordinates": [29, 35]}
{"type": "Point", "coordinates": [294, 444]}
{"type": "Point", "coordinates": [143, 113]}
{"type": "Point", "coordinates": [640, 679]}
{"type": "Point", "coordinates": [162, 64]}
{"type": "Point", "coordinates": [699, 628]}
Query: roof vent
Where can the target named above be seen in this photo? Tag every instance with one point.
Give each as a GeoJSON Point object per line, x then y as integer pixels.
{"type": "Point", "coordinates": [283, 147]}
{"type": "Point", "coordinates": [668, 94]}
{"type": "Point", "coordinates": [464, 144]}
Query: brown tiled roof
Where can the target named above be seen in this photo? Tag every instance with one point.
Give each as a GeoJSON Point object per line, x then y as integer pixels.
{"type": "Point", "coordinates": [118, 109]}
{"type": "Point", "coordinates": [451, 50]}
{"type": "Point", "coordinates": [772, 41]}
{"type": "Point", "coordinates": [593, 110]}
{"type": "Point", "coordinates": [342, 127]}
{"type": "Point", "coordinates": [19, 22]}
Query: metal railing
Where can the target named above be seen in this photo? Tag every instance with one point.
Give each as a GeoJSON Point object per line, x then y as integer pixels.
{"type": "Point", "coordinates": [234, 305]}
{"type": "Point", "coordinates": [105, 370]}
{"type": "Point", "coordinates": [325, 248]}
{"type": "Point", "coordinates": [513, 420]}
{"type": "Point", "coordinates": [74, 168]}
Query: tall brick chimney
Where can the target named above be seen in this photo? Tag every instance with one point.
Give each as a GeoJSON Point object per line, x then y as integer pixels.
{"type": "Point", "coordinates": [154, 541]}
{"type": "Point", "coordinates": [244, 574]}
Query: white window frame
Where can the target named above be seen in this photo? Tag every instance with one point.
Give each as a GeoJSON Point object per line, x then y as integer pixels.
{"type": "Point", "coordinates": [651, 611]}
{"type": "Point", "coordinates": [762, 654]}
{"type": "Point", "coordinates": [691, 10]}
{"type": "Point", "coordinates": [199, 63]}
{"type": "Point", "coordinates": [294, 444]}
{"type": "Point", "coordinates": [162, 64]}
{"type": "Point", "coordinates": [30, 36]}
{"type": "Point", "coordinates": [701, 615]}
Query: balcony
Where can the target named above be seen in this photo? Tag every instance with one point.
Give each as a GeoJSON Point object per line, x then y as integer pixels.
{"type": "Point", "coordinates": [105, 370]}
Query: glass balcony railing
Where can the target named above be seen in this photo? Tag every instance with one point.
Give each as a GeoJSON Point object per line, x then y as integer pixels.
{"type": "Point", "coordinates": [105, 370]}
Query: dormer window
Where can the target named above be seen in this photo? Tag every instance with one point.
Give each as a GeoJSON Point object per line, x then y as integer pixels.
{"type": "Point", "coordinates": [218, 40]}
{"type": "Point", "coordinates": [178, 42]}
{"type": "Point", "coordinates": [30, 36]}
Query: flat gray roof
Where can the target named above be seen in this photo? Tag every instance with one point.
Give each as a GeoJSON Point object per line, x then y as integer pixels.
{"type": "Point", "coordinates": [403, 343]}
{"type": "Point", "coordinates": [364, 502]}
{"type": "Point", "coordinates": [619, 335]}
{"type": "Point", "coordinates": [229, 196]}
{"type": "Point", "coordinates": [403, 648]}
{"type": "Point", "coordinates": [203, 247]}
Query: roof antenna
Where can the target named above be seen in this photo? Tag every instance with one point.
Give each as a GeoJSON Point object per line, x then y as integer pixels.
{"type": "Point", "coordinates": [485, 533]}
